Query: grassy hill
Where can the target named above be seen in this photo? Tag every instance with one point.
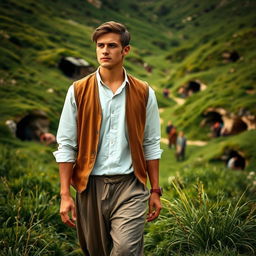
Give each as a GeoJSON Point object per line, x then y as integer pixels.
{"type": "Point", "coordinates": [181, 41]}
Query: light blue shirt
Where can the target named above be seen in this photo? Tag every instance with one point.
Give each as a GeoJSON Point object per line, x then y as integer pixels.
{"type": "Point", "coordinates": [113, 156]}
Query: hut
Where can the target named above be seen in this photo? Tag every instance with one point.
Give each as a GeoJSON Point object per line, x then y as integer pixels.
{"type": "Point", "coordinates": [75, 67]}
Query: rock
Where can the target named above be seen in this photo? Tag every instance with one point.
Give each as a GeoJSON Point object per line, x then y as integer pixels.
{"type": "Point", "coordinates": [12, 126]}
{"type": "Point", "coordinates": [50, 90]}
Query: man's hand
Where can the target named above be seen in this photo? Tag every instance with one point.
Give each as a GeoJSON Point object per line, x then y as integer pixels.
{"type": "Point", "coordinates": [154, 207]}
{"type": "Point", "coordinates": [67, 205]}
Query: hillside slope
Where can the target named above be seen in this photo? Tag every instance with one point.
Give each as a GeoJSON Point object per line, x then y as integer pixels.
{"type": "Point", "coordinates": [181, 41]}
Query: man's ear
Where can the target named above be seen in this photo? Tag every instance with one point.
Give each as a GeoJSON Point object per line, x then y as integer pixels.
{"type": "Point", "coordinates": [126, 50]}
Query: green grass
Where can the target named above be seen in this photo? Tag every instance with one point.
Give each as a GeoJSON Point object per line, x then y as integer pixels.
{"type": "Point", "coordinates": [198, 224]}
{"type": "Point", "coordinates": [35, 35]}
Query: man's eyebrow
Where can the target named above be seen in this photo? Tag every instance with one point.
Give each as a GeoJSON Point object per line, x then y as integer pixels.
{"type": "Point", "coordinates": [107, 43]}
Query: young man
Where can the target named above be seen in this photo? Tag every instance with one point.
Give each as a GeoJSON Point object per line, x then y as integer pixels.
{"type": "Point", "coordinates": [109, 141]}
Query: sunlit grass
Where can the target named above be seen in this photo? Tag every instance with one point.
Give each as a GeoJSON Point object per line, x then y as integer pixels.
{"type": "Point", "coordinates": [197, 224]}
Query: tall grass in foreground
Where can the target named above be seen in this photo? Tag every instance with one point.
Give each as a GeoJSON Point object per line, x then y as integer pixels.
{"type": "Point", "coordinates": [199, 225]}
{"type": "Point", "coordinates": [30, 224]}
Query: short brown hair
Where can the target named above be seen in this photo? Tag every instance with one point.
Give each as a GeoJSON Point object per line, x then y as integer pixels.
{"type": "Point", "coordinates": [112, 27]}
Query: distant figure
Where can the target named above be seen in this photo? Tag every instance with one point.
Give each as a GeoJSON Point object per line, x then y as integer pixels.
{"type": "Point", "coordinates": [236, 163]}
{"type": "Point", "coordinates": [169, 127]}
{"type": "Point", "coordinates": [166, 92]}
{"type": "Point", "coordinates": [181, 146]}
{"type": "Point", "coordinates": [183, 92]}
{"type": "Point", "coordinates": [147, 67]}
{"type": "Point", "coordinates": [172, 137]}
{"type": "Point", "coordinates": [47, 138]}
{"type": "Point", "coordinates": [231, 162]}
{"type": "Point", "coordinates": [216, 129]}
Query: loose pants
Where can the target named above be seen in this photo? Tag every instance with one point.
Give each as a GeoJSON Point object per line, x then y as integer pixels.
{"type": "Point", "coordinates": [111, 216]}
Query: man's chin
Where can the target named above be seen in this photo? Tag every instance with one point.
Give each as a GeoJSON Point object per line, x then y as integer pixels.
{"type": "Point", "coordinates": [106, 65]}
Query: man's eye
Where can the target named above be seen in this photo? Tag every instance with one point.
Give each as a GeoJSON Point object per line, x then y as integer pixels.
{"type": "Point", "coordinates": [100, 45]}
{"type": "Point", "coordinates": [112, 45]}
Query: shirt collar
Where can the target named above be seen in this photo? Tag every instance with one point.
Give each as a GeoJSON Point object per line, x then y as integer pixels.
{"type": "Point", "coordinates": [126, 80]}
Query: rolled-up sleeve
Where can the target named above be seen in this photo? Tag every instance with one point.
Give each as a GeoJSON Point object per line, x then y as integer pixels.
{"type": "Point", "coordinates": [67, 130]}
{"type": "Point", "coordinates": [152, 133]}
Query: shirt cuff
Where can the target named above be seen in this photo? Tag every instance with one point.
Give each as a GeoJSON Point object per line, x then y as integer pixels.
{"type": "Point", "coordinates": [154, 155]}
{"type": "Point", "coordinates": [65, 156]}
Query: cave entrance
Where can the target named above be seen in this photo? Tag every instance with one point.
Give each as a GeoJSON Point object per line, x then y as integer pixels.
{"type": "Point", "coordinates": [230, 56]}
{"type": "Point", "coordinates": [215, 121]}
{"type": "Point", "coordinates": [235, 160]}
{"type": "Point", "coordinates": [212, 117]}
{"type": "Point", "coordinates": [193, 86]}
{"type": "Point", "coordinates": [190, 88]}
{"type": "Point", "coordinates": [32, 126]}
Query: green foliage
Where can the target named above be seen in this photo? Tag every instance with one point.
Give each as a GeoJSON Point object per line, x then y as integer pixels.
{"type": "Point", "coordinates": [217, 182]}
{"type": "Point", "coordinates": [53, 56]}
{"type": "Point", "coordinates": [194, 224]}
{"type": "Point", "coordinates": [9, 59]}
{"type": "Point", "coordinates": [30, 223]}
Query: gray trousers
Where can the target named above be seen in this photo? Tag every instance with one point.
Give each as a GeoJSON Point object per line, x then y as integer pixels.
{"type": "Point", "coordinates": [111, 216]}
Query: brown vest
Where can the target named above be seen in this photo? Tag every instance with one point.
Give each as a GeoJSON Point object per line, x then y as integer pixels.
{"type": "Point", "coordinates": [89, 116]}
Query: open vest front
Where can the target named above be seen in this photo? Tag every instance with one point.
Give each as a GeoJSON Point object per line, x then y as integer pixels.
{"type": "Point", "coordinates": [89, 117]}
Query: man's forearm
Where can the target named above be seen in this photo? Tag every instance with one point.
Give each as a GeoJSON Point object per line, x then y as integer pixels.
{"type": "Point", "coordinates": [65, 170]}
{"type": "Point", "coordinates": [153, 172]}
{"type": "Point", "coordinates": [154, 199]}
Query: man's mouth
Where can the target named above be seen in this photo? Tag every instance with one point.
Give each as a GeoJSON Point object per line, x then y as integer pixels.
{"type": "Point", "coordinates": [105, 58]}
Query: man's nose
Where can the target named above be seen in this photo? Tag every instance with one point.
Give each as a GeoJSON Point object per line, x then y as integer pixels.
{"type": "Point", "coordinates": [105, 50]}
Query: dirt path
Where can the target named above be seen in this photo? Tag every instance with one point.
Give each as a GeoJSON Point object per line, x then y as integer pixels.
{"type": "Point", "coordinates": [189, 142]}
{"type": "Point", "coordinates": [199, 143]}
{"type": "Point", "coordinates": [179, 101]}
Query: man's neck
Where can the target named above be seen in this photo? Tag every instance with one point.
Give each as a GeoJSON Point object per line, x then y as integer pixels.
{"type": "Point", "coordinates": [113, 78]}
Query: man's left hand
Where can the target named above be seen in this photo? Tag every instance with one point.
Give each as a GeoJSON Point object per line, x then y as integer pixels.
{"type": "Point", "coordinates": [154, 207]}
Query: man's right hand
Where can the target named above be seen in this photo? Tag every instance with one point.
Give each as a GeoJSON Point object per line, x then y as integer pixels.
{"type": "Point", "coordinates": [67, 206]}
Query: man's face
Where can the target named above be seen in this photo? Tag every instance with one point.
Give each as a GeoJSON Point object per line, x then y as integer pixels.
{"type": "Point", "coordinates": [110, 52]}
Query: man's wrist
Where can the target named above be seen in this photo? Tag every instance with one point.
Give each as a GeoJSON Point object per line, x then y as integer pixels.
{"type": "Point", "coordinates": [65, 194]}
{"type": "Point", "coordinates": [158, 191]}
